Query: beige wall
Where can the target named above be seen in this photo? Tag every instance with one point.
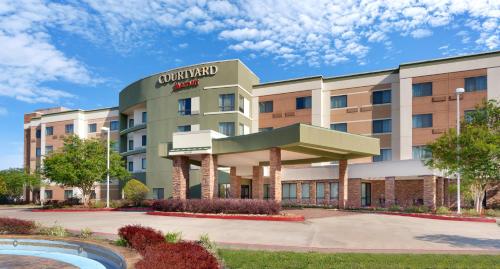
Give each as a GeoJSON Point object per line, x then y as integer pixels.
{"type": "Point", "coordinates": [284, 112]}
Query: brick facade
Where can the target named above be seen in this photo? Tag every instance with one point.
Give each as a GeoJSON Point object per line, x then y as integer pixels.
{"type": "Point", "coordinates": [209, 182]}
{"type": "Point", "coordinates": [343, 183]}
{"type": "Point", "coordinates": [180, 177]}
{"type": "Point", "coordinates": [390, 191]}
{"type": "Point", "coordinates": [235, 184]}
{"type": "Point", "coordinates": [430, 191]}
{"type": "Point", "coordinates": [258, 182]}
{"type": "Point", "coordinates": [354, 197]}
{"type": "Point", "coordinates": [439, 191]}
{"type": "Point", "coordinates": [409, 192]}
{"type": "Point", "coordinates": [275, 174]}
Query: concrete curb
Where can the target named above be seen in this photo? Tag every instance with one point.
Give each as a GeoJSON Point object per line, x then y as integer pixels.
{"type": "Point", "coordinates": [69, 210]}
{"type": "Point", "coordinates": [232, 217]}
{"type": "Point", "coordinates": [440, 217]}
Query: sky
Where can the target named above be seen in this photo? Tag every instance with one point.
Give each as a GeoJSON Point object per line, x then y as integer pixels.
{"type": "Point", "coordinates": [81, 53]}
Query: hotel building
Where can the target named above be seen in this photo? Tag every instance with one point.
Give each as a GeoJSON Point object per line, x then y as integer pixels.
{"type": "Point", "coordinates": [214, 130]}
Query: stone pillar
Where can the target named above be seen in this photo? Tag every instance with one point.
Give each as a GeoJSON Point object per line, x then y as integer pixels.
{"type": "Point", "coordinates": [258, 182]}
{"type": "Point", "coordinates": [446, 192]}
{"type": "Point", "coordinates": [326, 185]}
{"type": "Point", "coordinates": [390, 191]}
{"type": "Point", "coordinates": [275, 174]}
{"type": "Point", "coordinates": [343, 183]}
{"type": "Point", "coordinates": [235, 184]}
{"type": "Point", "coordinates": [209, 183]}
{"type": "Point", "coordinates": [354, 193]}
{"type": "Point", "coordinates": [299, 192]}
{"type": "Point", "coordinates": [439, 191]}
{"type": "Point", "coordinates": [180, 177]}
{"type": "Point", "coordinates": [430, 191]}
{"type": "Point", "coordinates": [312, 192]}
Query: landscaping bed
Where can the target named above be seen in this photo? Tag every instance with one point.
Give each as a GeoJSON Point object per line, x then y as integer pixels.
{"type": "Point", "coordinates": [87, 209]}
{"type": "Point", "coordinates": [229, 216]}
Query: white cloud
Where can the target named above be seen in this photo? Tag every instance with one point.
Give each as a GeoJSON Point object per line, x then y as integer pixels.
{"type": "Point", "coordinates": [421, 33]}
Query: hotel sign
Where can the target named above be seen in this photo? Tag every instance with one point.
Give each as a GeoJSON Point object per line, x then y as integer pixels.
{"type": "Point", "coordinates": [187, 78]}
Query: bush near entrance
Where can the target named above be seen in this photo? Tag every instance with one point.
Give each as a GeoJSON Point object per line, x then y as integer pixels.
{"type": "Point", "coordinates": [135, 191]}
{"type": "Point", "coordinates": [218, 206]}
{"type": "Point", "coordinates": [16, 226]}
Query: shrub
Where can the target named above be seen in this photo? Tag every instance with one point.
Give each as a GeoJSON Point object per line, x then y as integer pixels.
{"type": "Point", "coordinates": [417, 209]}
{"type": "Point", "coordinates": [121, 242]}
{"type": "Point", "coordinates": [135, 191]}
{"type": "Point", "coordinates": [139, 237]}
{"type": "Point", "coordinates": [55, 230]}
{"type": "Point", "coordinates": [173, 237]}
{"type": "Point", "coordinates": [16, 226]}
{"type": "Point", "coordinates": [442, 210]}
{"type": "Point", "coordinates": [218, 206]}
{"type": "Point", "coordinates": [470, 212]}
{"type": "Point", "coordinates": [394, 208]}
{"type": "Point", "coordinates": [182, 255]}
{"type": "Point", "coordinates": [208, 244]}
{"type": "Point", "coordinates": [86, 233]}
{"type": "Point", "coordinates": [492, 213]}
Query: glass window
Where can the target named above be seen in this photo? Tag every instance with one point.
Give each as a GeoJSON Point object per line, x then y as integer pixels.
{"type": "Point", "coordinates": [305, 188]}
{"type": "Point", "coordinates": [241, 104]}
{"type": "Point", "coordinates": [115, 146]}
{"type": "Point", "coordinates": [49, 149]}
{"type": "Point", "coordinates": [334, 190]}
{"type": "Point", "coordinates": [421, 153]}
{"type": "Point", "coordinates": [474, 84]}
{"type": "Point", "coordinates": [226, 128]}
{"type": "Point", "coordinates": [68, 194]}
{"type": "Point", "coordinates": [320, 191]}
{"type": "Point", "coordinates": [185, 106]}
{"type": "Point", "coordinates": [422, 121]}
{"type": "Point", "coordinates": [144, 117]}
{"type": "Point", "coordinates": [48, 194]}
{"type": "Point", "coordinates": [468, 115]}
{"type": "Point", "coordinates": [303, 102]}
{"type": "Point", "coordinates": [143, 163]}
{"type": "Point", "coordinates": [224, 190]}
{"type": "Point", "coordinates": [266, 107]}
{"type": "Point", "coordinates": [382, 126]}
{"type": "Point", "coordinates": [289, 191]}
{"type": "Point", "coordinates": [130, 166]}
{"type": "Point", "coordinates": [422, 89]}
{"type": "Point", "coordinates": [113, 125]}
{"type": "Point", "coordinates": [338, 101]}
{"type": "Point", "coordinates": [130, 123]}
{"type": "Point", "coordinates": [38, 152]}
{"type": "Point", "coordinates": [385, 155]}
{"type": "Point", "coordinates": [69, 128]}
{"type": "Point", "coordinates": [184, 128]}
{"type": "Point", "coordinates": [38, 133]}
{"type": "Point", "coordinates": [382, 97]}
{"type": "Point", "coordinates": [158, 193]}
{"type": "Point", "coordinates": [92, 128]}
{"type": "Point", "coordinates": [339, 127]}
{"type": "Point", "coordinates": [226, 102]}
{"type": "Point", "coordinates": [131, 144]}
{"type": "Point", "coordinates": [144, 140]}
{"type": "Point", "coordinates": [49, 130]}
{"type": "Point", "coordinates": [266, 192]}
{"type": "Point", "coordinates": [265, 129]}
{"type": "Point", "coordinates": [366, 194]}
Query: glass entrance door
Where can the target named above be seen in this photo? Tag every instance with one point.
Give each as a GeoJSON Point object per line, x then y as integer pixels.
{"type": "Point", "coordinates": [366, 194]}
{"type": "Point", "coordinates": [245, 191]}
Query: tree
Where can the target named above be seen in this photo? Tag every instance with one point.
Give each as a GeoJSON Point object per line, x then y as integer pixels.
{"type": "Point", "coordinates": [135, 191]}
{"type": "Point", "coordinates": [81, 163]}
{"type": "Point", "coordinates": [479, 151]}
{"type": "Point", "coordinates": [12, 182]}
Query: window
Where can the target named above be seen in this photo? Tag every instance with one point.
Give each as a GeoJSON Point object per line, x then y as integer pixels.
{"type": "Point", "coordinates": [115, 146]}
{"type": "Point", "coordinates": [289, 191]}
{"type": "Point", "coordinates": [48, 195]}
{"type": "Point", "coordinates": [144, 140]}
{"type": "Point", "coordinates": [338, 101]}
{"type": "Point", "coordinates": [265, 129]}
{"type": "Point", "coordinates": [143, 163]}
{"type": "Point", "coordinates": [421, 153]}
{"type": "Point", "coordinates": [49, 130]}
{"type": "Point", "coordinates": [184, 128]}
{"type": "Point", "coordinates": [305, 188]}
{"type": "Point", "coordinates": [69, 128]}
{"type": "Point", "coordinates": [468, 115]}
{"type": "Point", "coordinates": [334, 190]}
{"type": "Point", "coordinates": [303, 102]}
{"type": "Point", "coordinates": [130, 123]}
{"type": "Point", "coordinates": [422, 121]}
{"type": "Point", "coordinates": [38, 152]}
{"type": "Point", "coordinates": [320, 191]}
{"type": "Point", "coordinates": [339, 127]}
{"type": "Point", "coordinates": [226, 102]}
{"type": "Point", "coordinates": [48, 149]}
{"type": "Point", "coordinates": [224, 190]}
{"type": "Point", "coordinates": [241, 104]}
{"type": "Point", "coordinates": [475, 84]}
{"type": "Point", "coordinates": [366, 194]}
{"type": "Point", "coordinates": [113, 125]}
{"type": "Point", "coordinates": [68, 194]}
{"type": "Point", "coordinates": [131, 144]}
{"type": "Point", "coordinates": [422, 89]}
{"type": "Point", "coordinates": [185, 106]}
{"type": "Point", "coordinates": [266, 107]}
{"type": "Point", "coordinates": [385, 155]}
{"type": "Point", "coordinates": [130, 166]}
{"type": "Point", "coordinates": [92, 128]}
{"type": "Point", "coordinates": [226, 128]}
{"type": "Point", "coordinates": [158, 193]}
{"type": "Point", "coordinates": [382, 126]}
{"type": "Point", "coordinates": [381, 97]}
{"type": "Point", "coordinates": [144, 117]}
{"type": "Point", "coordinates": [266, 192]}
{"type": "Point", "coordinates": [38, 133]}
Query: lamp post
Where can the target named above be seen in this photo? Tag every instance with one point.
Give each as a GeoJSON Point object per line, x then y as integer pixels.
{"type": "Point", "coordinates": [458, 91]}
{"type": "Point", "coordinates": [106, 129]}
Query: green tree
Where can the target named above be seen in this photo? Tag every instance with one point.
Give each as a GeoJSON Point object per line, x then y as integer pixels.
{"type": "Point", "coordinates": [478, 151]}
{"type": "Point", "coordinates": [135, 191]}
{"type": "Point", "coordinates": [13, 180]}
{"type": "Point", "coordinates": [81, 163]}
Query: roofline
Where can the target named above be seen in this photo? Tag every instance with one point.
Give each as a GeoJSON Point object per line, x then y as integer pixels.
{"type": "Point", "coordinates": [450, 58]}
{"type": "Point", "coordinates": [73, 111]}
{"type": "Point", "coordinates": [364, 74]}
{"type": "Point", "coordinates": [287, 81]}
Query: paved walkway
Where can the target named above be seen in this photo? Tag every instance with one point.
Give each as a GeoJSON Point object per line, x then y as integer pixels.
{"type": "Point", "coordinates": [338, 233]}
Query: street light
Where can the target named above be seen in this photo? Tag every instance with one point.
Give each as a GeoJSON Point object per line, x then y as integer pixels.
{"type": "Point", "coordinates": [458, 91]}
{"type": "Point", "coordinates": [106, 129]}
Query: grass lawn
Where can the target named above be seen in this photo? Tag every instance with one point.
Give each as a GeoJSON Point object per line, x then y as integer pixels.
{"type": "Point", "coordinates": [267, 259]}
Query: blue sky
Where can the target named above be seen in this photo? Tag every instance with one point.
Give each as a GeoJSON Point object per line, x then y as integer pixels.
{"type": "Point", "coordinates": [81, 53]}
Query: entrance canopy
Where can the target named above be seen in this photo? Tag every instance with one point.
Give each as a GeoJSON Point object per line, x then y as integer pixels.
{"type": "Point", "coordinates": [299, 144]}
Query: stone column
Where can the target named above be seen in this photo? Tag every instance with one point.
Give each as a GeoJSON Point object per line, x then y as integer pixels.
{"type": "Point", "coordinates": [258, 182]}
{"type": "Point", "coordinates": [312, 192]}
{"type": "Point", "coordinates": [180, 177]}
{"type": "Point", "coordinates": [209, 183]}
{"type": "Point", "coordinates": [354, 193]}
{"type": "Point", "coordinates": [326, 185]}
{"type": "Point", "coordinates": [390, 191]}
{"type": "Point", "coordinates": [235, 184]}
{"type": "Point", "coordinates": [275, 174]}
{"type": "Point", "coordinates": [343, 183]}
{"type": "Point", "coordinates": [439, 191]}
{"type": "Point", "coordinates": [299, 192]}
{"type": "Point", "coordinates": [430, 191]}
{"type": "Point", "coordinates": [446, 192]}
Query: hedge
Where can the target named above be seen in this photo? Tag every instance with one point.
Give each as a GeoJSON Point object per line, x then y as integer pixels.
{"type": "Point", "coordinates": [16, 226]}
{"type": "Point", "coordinates": [181, 255]}
{"type": "Point", "coordinates": [218, 206]}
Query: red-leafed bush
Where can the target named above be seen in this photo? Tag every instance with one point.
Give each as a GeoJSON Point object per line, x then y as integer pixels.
{"type": "Point", "coordinates": [16, 226]}
{"type": "Point", "coordinates": [217, 206]}
{"type": "Point", "coordinates": [182, 255]}
{"type": "Point", "coordinates": [139, 237]}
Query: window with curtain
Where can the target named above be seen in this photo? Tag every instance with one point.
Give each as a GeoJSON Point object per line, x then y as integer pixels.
{"type": "Point", "coordinates": [131, 166]}
{"type": "Point", "coordinates": [68, 194]}
{"type": "Point", "coordinates": [422, 89]}
{"type": "Point", "coordinates": [49, 130]}
{"type": "Point", "coordinates": [144, 117]}
{"type": "Point", "coordinates": [289, 191]}
{"type": "Point", "coordinates": [305, 189]}
{"type": "Point", "coordinates": [185, 106]}
{"type": "Point", "coordinates": [184, 128]}
{"type": "Point", "coordinates": [339, 126]}
{"type": "Point", "coordinates": [144, 140]}
{"type": "Point", "coordinates": [226, 128]}
{"type": "Point", "coordinates": [422, 121]}
{"type": "Point", "coordinates": [303, 102]}
{"type": "Point", "coordinates": [114, 125]}
{"type": "Point", "coordinates": [382, 126]}
{"type": "Point", "coordinates": [385, 155]}
{"type": "Point", "coordinates": [68, 128]}
{"type": "Point", "coordinates": [338, 101]}
{"type": "Point", "coordinates": [421, 153]}
{"type": "Point", "coordinates": [320, 191]}
{"type": "Point", "coordinates": [226, 102]}
{"type": "Point", "coordinates": [130, 123]}
{"type": "Point", "coordinates": [158, 193]}
{"type": "Point", "coordinates": [334, 190]}
{"type": "Point", "coordinates": [92, 128]}
{"type": "Point", "coordinates": [143, 163]}
{"type": "Point", "coordinates": [266, 192]}
{"type": "Point", "coordinates": [474, 84]}
{"type": "Point", "coordinates": [266, 107]}
{"type": "Point", "coordinates": [381, 97]}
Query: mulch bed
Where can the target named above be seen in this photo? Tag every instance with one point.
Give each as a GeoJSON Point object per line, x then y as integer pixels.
{"type": "Point", "coordinates": [84, 209]}
{"type": "Point", "coordinates": [292, 218]}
